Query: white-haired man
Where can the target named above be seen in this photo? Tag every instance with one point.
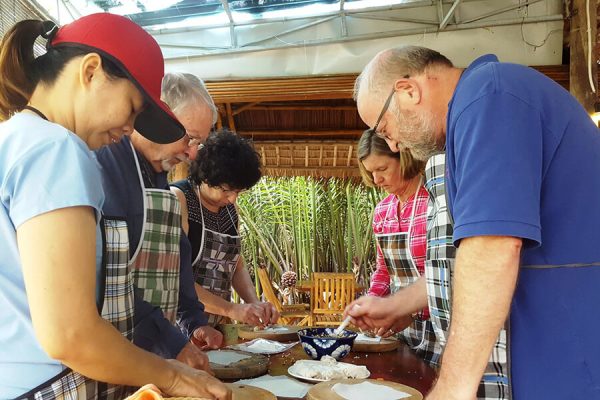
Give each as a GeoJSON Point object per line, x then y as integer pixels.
{"type": "Point", "coordinates": [135, 181]}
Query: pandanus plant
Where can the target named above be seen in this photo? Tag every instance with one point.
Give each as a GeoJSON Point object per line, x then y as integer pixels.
{"type": "Point", "coordinates": [306, 225]}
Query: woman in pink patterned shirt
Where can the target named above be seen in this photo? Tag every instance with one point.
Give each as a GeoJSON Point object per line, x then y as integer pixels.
{"type": "Point", "coordinates": [400, 227]}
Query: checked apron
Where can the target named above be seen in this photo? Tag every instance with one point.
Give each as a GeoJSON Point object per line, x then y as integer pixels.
{"type": "Point", "coordinates": [403, 271]}
{"type": "Point", "coordinates": [216, 261]}
{"type": "Point", "coordinates": [155, 263]}
{"type": "Point", "coordinates": [116, 305]}
{"type": "Point", "coordinates": [439, 268]}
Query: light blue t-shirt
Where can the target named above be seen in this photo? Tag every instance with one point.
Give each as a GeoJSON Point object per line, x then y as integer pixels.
{"type": "Point", "coordinates": [43, 167]}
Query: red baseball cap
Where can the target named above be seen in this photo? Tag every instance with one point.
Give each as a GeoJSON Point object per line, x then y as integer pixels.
{"type": "Point", "coordinates": [137, 53]}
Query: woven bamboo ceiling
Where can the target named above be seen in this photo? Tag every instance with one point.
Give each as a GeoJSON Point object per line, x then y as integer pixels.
{"type": "Point", "coordinates": [303, 125]}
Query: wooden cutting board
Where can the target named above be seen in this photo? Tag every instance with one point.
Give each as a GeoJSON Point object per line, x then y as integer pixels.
{"type": "Point", "coordinates": [323, 390]}
{"type": "Point", "coordinates": [369, 347]}
{"type": "Point", "coordinates": [240, 392]}
{"type": "Point", "coordinates": [255, 365]}
{"type": "Point", "coordinates": [290, 334]}
{"type": "Point", "coordinates": [245, 392]}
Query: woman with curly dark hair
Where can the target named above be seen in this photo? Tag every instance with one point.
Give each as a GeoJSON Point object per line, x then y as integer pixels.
{"type": "Point", "coordinates": [226, 165]}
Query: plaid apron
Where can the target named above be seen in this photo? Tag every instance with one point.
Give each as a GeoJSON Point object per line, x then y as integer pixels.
{"type": "Point", "coordinates": [403, 271]}
{"type": "Point", "coordinates": [439, 267]}
{"type": "Point", "coordinates": [215, 263]}
{"type": "Point", "coordinates": [155, 263]}
{"type": "Point", "coordinates": [117, 308]}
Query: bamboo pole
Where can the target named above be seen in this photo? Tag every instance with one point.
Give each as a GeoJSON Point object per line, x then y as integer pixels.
{"type": "Point", "coordinates": [349, 155]}
{"type": "Point", "coordinates": [245, 107]}
{"type": "Point", "coordinates": [335, 155]}
{"type": "Point", "coordinates": [230, 117]}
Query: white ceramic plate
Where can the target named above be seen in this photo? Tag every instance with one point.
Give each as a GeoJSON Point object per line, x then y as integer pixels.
{"type": "Point", "coordinates": [292, 370]}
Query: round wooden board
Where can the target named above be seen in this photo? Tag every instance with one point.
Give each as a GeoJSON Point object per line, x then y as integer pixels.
{"type": "Point", "coordinates": [256, 365]}
{"type": "Point", "coordinates": [245, 392]}
{"type": "Point", "coordinates": [383, 346]}
{"type": "Point", "coordinates": [323, 390]}
{"type": "Point", "coordinates": [248, 332]}
{"type": "Point", "coordinates": [240, 392]}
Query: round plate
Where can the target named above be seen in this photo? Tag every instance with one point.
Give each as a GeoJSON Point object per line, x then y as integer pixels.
{"type": "Point", "coordinates": [254, 365]}
{"type": "Point", "coordinates": [292, 372]}
{"type": "Point", "coordinates": [290, 334]}
{"type": "Point", "coordinates": [324, 389]}
{"type": "Point", "coordinates": [372, 347]}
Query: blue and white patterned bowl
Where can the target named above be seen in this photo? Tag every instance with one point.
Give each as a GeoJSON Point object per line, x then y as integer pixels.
{"type": "Point", "coordinates": [319, 342]}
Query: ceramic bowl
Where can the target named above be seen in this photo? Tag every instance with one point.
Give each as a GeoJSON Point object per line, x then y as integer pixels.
{"type": "Point", "coordinates": [319, 342]}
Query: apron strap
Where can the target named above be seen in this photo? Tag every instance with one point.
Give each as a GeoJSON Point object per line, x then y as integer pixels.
{"type": "Point", "coordinates": [144, 201]}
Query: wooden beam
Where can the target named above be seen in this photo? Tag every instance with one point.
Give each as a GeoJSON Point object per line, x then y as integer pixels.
{"type": "Point", "coordinates": [245, 107]}
{"type": "Point", "coordinates": [299, 107]}
{"type": "Point", "coordinates": [321, 87]}
{"type": "Point", "coordinates": [279, 134]}
{"type": "Point", "coordinates": [583, 27]}
{"type": "Point", "coordinates": [219, 119]}
{"type": "Point", "coordinates": [230, 119]}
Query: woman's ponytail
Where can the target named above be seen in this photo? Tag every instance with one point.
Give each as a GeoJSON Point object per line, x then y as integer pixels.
{"type": "Point", "coordinates": [17, 65]}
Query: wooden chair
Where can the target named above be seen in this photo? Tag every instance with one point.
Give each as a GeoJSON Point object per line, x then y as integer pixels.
{"type": "Point", "coordinates": [331, 293]}
{"type": "Point", "coordinates": [292, 314]}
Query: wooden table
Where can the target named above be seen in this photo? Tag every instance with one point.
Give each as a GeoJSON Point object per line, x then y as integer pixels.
{"type": "Point", "coordinates": [401, 366]}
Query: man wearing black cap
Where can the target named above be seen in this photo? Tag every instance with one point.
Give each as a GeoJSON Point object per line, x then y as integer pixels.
{"type": "Point", "coordinates": [135, 181]}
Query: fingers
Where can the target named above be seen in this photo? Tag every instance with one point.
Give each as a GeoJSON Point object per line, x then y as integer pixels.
{"type": "Point", "coordinates": [349, 307]}
{"type": "Point", "coordinates": [215, 341]}
{"type": "Point", "coordinates": [384, 333]}
{"type": "Point", "coordinates": [192, 356]}
{"type": "Point", "coordinates": [208, 338]}
{"type": "Point", "coordinates": [274, 314]}
{"type": "Point", "coordinates": [256, 315]}
{"type": "Point", "coordinates": [266, 313]}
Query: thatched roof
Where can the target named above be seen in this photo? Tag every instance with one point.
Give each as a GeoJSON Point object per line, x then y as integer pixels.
{"type": "Point", "coordinates": [302, 126]}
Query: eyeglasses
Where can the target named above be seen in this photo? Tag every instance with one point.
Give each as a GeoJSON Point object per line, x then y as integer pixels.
{"type": "Point", "coordinates": [192, 141]}
{"type": "Point", "coordinates": [386, 105]}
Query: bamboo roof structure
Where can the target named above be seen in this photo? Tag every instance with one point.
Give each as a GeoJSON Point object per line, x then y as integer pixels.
{"type": "Point", "coordinates": [303, 125]}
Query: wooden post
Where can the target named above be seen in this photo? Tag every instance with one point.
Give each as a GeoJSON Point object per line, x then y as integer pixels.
{"type": "Point", "coordinates": [264, 157]}
{"type": "Point", "coordinates": [335, 155]}
{"type": "Point", "coordinates": [230, 117]}
{"type": "Point", "coordinates": [306, 156]}
{"type": "Point", "coordinates": [321, 156]}
{"type": "Point", "coordinates": [349, 156]}
{"type": "Point", "coordinates": [219, 119]}
{"type": "Point", "coordinates": [578, 69]}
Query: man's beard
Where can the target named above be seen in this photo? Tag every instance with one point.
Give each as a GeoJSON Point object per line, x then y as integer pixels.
{"type": "Point", "coordinates": [168, 164]}
{"type": "Point", "coordinates": [417, 133]}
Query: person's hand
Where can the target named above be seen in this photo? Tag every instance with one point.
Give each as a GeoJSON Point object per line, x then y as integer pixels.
{"type": "Point", "coordinates": [375, 313]}
{"type": "Point", "coordinates": [257, 314]}
{"type": "Point", "coordinates": [194, 357]}
{"type": "Point", "coordinates": [190, 382]}
{"type": "Point", "coordinates": [401, 324]}
{"type": "Point", "coordinates": [207, 338]}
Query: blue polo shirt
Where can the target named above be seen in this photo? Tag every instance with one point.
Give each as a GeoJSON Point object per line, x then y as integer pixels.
{"type": "Point", "coordinates": [523, 160]}
{"type": "Point", "coordinates": [43, 167]}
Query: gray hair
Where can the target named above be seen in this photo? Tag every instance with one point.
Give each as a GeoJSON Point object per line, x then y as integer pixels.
{"type": "Point", "coordinates": [180, 90]}
{"type": "Point", "coordinates": [392, 64]}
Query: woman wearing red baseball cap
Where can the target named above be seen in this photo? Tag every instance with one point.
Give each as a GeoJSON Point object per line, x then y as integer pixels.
{"type": "Point", "coordinates": [66, 300]}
